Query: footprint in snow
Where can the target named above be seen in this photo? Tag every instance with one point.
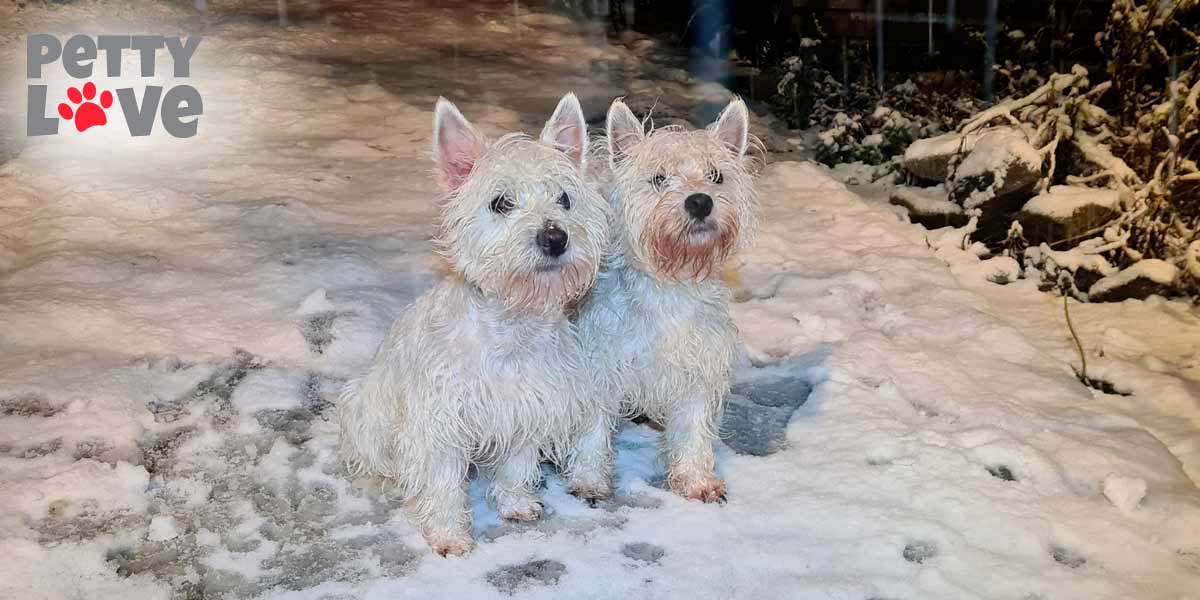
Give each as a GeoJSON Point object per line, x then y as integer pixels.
{"type": "Point", "coordinates": [511, 578]}
{"type": "Point", "coordinates": [643, 552]}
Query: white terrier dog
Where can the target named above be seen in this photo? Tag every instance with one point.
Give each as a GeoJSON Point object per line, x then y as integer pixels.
{"type": "Point", "coordinates": [484, 369]}
{"type": "Point", "coordinates": [656, 326]}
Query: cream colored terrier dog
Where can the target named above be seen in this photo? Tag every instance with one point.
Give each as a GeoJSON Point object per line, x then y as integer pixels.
{"type": "Point", "coordinates": [656, 326]}
{"type": "Point", "coordinates": [484, 369]}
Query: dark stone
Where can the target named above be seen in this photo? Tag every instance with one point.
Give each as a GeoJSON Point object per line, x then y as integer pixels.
{"type": "Point", "coordinates": [1040, 228]}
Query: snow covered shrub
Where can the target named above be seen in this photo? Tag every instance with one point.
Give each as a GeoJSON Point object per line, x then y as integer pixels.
{"type": "Point", "coordinates": [1154, 63]}
{"type": "Point", "coordinates": [881, 133]}
{"type": "Point", "coordinates": [848, 141]}
{"type": "Point", "coordinates": [804, 84]}
{"type": "Point", "coordinates": [1143, 159]}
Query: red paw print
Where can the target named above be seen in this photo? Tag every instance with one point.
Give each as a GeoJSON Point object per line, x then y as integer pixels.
{"type": "Point", "coordinates": [89, 113]}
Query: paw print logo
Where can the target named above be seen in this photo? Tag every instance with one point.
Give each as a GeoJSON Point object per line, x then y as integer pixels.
{"type": "Point", "coordinates": [86, 113]}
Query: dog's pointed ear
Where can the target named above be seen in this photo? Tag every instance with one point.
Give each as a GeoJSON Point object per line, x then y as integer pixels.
{"type": "Point", "coordinates": [624, 130]}
{"type": "Point", "coordinates": [567, 129]}
{"type": "Point", "coordinates": [732, 128]}
{"type": "Point", "coordinates": [456, 145]}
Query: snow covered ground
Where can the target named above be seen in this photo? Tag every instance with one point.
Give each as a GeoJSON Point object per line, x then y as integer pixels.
{"type": "Point", "coordinates": [177, 315]}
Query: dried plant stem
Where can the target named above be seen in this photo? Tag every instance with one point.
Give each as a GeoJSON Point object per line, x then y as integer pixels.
{"type": "Point", "coordinates": [1082, 372]}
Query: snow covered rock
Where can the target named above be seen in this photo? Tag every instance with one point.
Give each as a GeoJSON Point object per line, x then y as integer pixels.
{"type": "Point", "coordinates": [1002, 163]}
{"type": "Point", "coordinates": [1125, 493]}
{"type": "Point", "coordinates": [929, 206]}
{"type": "Point", "coordinates": [930, 158]}
{"type": "Point", "coordinates": [1067, 212]}
{"type": "Point", "coordinates": [1144, 278]}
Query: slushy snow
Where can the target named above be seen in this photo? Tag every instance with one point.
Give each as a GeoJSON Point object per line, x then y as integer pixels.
{"type": "Point", "coordinates": [177, 316]}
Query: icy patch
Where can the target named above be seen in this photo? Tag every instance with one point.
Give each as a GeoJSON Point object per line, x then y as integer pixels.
{"type": "Point", "coordinates": [757, 414]}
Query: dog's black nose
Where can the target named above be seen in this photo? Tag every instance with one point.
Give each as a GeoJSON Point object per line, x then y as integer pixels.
{"type": "Point", "coordinates": [552, 240]}
{"type": "Point", "coordinates": [698, 205]}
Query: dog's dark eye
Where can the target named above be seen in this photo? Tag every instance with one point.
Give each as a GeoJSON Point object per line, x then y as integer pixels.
{"type": "Point", "coordinates": [564, 201]}
{"type": "Point", "coordinates": [715, 176]}
{"type": "Point", "coordinates": [659, 180]}
{"type": "Point", "coordinates": [502, 204]}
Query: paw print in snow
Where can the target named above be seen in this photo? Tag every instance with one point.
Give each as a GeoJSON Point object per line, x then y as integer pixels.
{"type": "Point", "coordinates": [87, 114]}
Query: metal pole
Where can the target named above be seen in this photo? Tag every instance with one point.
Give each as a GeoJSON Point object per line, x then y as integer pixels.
{"type": "Point", "coordinates": [929, 18]}
{"type": "Point", "coordinates": [989, 53]}
{"type": "Point", "coordinates": [879, 44]}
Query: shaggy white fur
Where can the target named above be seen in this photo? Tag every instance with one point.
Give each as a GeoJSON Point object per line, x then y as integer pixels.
{"type": "Point", "coordinates": [656, 326]}
{"type": "Point", "coordinates": [484, 369]}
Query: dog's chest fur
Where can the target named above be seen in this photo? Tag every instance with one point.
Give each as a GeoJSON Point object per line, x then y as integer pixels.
{"type": "Point", "coordinates": [491, 381]}
{"type": "Point", "coordinates": [653, 336]}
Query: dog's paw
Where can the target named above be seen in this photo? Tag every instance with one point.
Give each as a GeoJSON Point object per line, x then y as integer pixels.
{"type": "Point", "coordinates": [524, 514]}
{"type": "Point", "coordinates": [704, 489]}
{"type": "Point", "coordinates": [590, 493]}
{"type": "Point", "coordinates": [520, 508]}
{"type": "Point", "coordinates": [531, 513]}
{"type": "Point", "coordinates": [451, 546]}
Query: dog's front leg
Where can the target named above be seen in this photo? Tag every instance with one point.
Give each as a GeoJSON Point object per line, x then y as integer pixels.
{"type": "Point", "coordinates": [440, 504]}
{"type": "Point", "coordinates": [691, 427]}
{"type": "Point", "coordinates": [513, 488]}
{"type": "Point", "coordinates": [589, 467]}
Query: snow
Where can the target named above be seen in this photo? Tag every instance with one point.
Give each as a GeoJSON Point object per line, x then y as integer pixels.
{"type": "Point", "coordinates": [177, 317]}
{"type": "Point", "coordinates": [857, 172]}
{"type": "Point", "coordinates": [1125, 493]}
{"type": "Point", "coordinates": [1153, 269]}
{"type": "Point", "coordinates": [931, 200]}
{"type": "Point", "coordinates": [1082, 256]}
{"type": "Point", "coordinates": [162, 528]}
{"type": "Point", "coordinates": [1061, 201]}
{"type": "Point", "coordinates": [941, 145]}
